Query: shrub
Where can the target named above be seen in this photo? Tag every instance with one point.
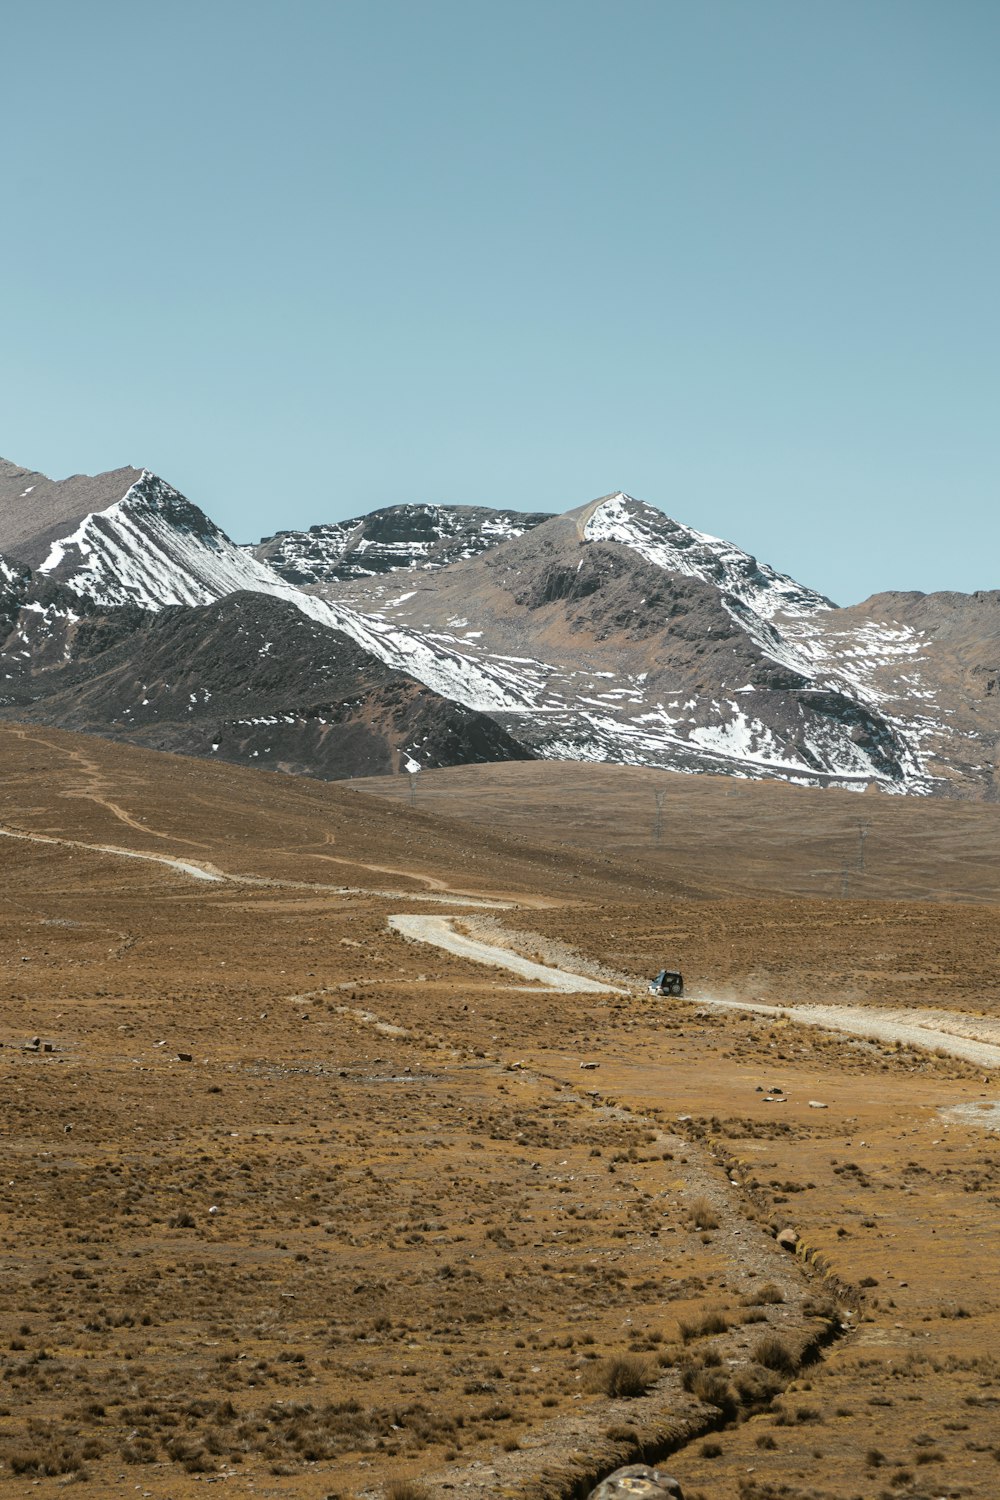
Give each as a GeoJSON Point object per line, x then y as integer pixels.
{"type": "Point", "coordinates": [405, 1489]}
{"type": "Point", "coordinates": [709, 1323]}
{"type": "Point", "coordinates": [624, 1375]}
{"type": "Point", "coordinates": [774, 1354]}
{"type": "Point", "coordinates": [765, 1295]}
{"type": "Point", "coordinates": [703, 1215]}
{"type": "Point", "coordinates": [712, 1387]}
{"type": "Point", "coordinates": [141, 1450]}
{"type": "Point", "coordinates": [756, 1386]}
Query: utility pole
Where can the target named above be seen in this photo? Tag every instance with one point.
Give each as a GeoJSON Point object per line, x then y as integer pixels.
{"type": "Point", "coordinates": [658, 820]}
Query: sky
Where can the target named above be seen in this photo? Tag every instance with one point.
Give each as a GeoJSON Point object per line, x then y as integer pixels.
{"type": "Point", "coordinates": [306, 258]}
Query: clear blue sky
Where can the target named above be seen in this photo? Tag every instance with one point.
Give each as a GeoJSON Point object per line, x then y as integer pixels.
{"type": "Point", "coordinates": [309, 257]}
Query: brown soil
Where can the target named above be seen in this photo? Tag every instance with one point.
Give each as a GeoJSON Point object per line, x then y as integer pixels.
{"type": "Point", "coordinates": [397, 1210]}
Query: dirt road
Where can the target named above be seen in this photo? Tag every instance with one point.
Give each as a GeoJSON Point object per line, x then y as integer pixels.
{"type": "Point", "coordinates": [974, 1039]}
{"type": "Point", "coordinates": [945, 1031]}
{"type": "Point", "coordinates": [197, 872]}
{"type": "Point", "coordinates": [441, 932]}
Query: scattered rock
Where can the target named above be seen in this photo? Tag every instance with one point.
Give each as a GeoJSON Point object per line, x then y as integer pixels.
{"type": "Point", "coordinates": [590, 1065]}
{"type": "Point", "coordinates": [816, 1104]}
{"type": "Point", "coordinates": [185, 1057]}
{"type": "Point", "coordinates": [638, 1479]}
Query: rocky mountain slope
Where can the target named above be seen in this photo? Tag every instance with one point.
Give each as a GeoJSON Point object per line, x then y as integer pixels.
{"type": "Point", "coordinates": [613, 633]}
{"type": "Point", "coordinates": [399, 536]}
{"type": "Point", "coordinates": [609, 633]}
{"type": "Point", "coordinates": [247, 679]}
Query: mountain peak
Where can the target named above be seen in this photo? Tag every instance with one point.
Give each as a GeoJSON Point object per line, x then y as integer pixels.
{"type": "Point", "coordinates": [681, 549]}
{"type": "Point", "coordinates": [152, 547]}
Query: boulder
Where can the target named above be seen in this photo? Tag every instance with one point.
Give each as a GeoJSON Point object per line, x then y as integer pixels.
{"type": "Point", "coordinates": [787, 1239]}
{"type": "Point", "coordinates": [638, 1480]}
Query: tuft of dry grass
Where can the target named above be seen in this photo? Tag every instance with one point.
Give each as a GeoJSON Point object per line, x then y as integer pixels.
{"type": "Point", "coordinates": [624, 1375]}
{"type": "Point", "coordinates": [774, 1354]}
{"type": "Point", "coordinates": [703, 1215]}
{"type": "Point", "coordinates": [710, 1322]}
{"type": "Point", "coordinates": [405, 1489]}
{"type": "Point", "coordinates": [764, 1296]}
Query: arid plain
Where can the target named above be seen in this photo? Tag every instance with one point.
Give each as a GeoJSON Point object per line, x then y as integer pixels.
{"type": "Point", "coordinates": [295, 1205]}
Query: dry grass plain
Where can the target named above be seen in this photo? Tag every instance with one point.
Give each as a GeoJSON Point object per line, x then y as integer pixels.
{"type": "Point", "coordinates": [717, 835]}
{"type": "Point", "coordinates": [383, 1227]}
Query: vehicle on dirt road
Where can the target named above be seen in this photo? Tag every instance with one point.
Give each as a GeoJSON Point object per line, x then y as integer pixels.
{"type": "Point", "coordinates": [667, 982]}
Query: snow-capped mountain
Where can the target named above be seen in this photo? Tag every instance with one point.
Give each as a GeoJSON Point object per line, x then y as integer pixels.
{"type": "Point", "coordinates": [679, 549]}
{"type": "Point", "coordinates": [399, 536]}
{"type": "Point", "coordinates": [152, 547]}
{"type": "Point", "coordinates": [35, 510]}
{"type": "Point", "coordinates": [143, 620]}
{"type": "Point", "coordinates": [589, 641]}
{"type": "Point", "coordinates": [610, 632]}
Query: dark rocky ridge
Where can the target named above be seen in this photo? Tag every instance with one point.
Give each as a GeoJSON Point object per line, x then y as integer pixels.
{"type": "Point", "coordinates": [248, 679]}
{"type": "Point", "coordinates": [396, 537]}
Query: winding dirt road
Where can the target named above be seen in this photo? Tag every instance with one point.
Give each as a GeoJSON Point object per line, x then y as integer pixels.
{"type": "Point", "coordinates": [184, 866]}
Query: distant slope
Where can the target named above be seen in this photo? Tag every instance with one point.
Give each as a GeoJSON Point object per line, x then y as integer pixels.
{"type": "Point", "coordinates": [725, 837]}
{"type": "Point", "coordinates": [268, 826]}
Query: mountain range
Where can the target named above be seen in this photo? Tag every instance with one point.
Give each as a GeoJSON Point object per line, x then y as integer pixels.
{"type": "Point", "coordinates": [428, 635]}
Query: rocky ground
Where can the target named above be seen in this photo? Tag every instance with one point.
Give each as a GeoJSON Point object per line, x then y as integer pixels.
{"type": "Point", "coordinates": [300, 1207]}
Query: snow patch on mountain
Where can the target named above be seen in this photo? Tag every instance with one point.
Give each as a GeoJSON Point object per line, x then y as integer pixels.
{"type": "Point", "coordinates": [834, 724]}
{"type": "Point", "coordinates": [792, 626]}
{"type": "Point", "coordinates": [153, 548]}
{"type": "Point", "coordinates": [680, 549]}
{"type": "Point", "coordinates": [398, 537]}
